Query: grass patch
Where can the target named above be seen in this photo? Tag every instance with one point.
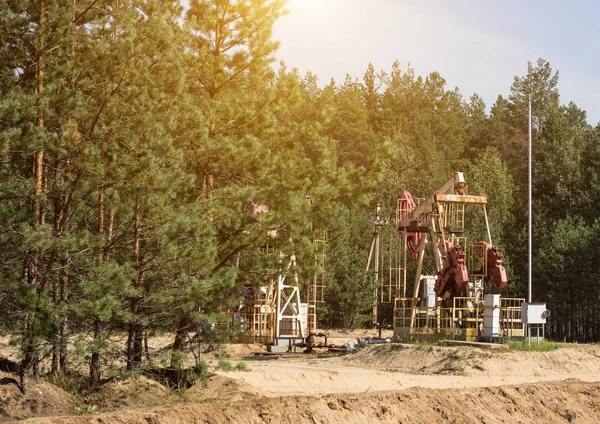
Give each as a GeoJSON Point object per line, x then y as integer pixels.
{"type": "Point", "coordinates": [420, 343]}
{"type": "Point", "coordinates": [543, 346]}
{"type": "Point", "coordinates": [87, 409]}
{"type": "Point", "coordinates": [224, 365]}
{"type": "Point", "coordinates": [74, 384]}
{"type": "Point", "coordinates": [198, 375]}
{"type": "Point", "coordinates": [241, 366]}
{"type": "Point", "coordinates": [224, 355]}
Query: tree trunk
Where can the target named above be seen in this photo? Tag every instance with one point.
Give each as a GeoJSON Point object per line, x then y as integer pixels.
{"type": "Point", "coordinates": [55, 341]}
{"type": "Point", "coordinates": [134, 337]}
{"type": "Point", "coordinates": [37, 206]}
{"type": "Point", "coordinates": [55, 367]}
{"type": "Point", "coordinates": [134, 346]}
{"type": "Point", "coordinates": [130, 348]}
{"type": "Point", "coordinates": [96, 358]}
{"type": "Point", "coordinates": [146, 350]}
{"type": "Point", "coordinates": [62, 334]}
{"type": "Point", "coordinates": [35, 366]}
{"type": "Point", "coordinates": [138, 347]}
{"type": "Point", "coordinates": [110, 233]}
{"type": "Point", "coordinates": [62, 358]}
{"type": "Point", "coordinates": [95, 374]}
{"type": "Point", "coordinates": [25, 369]}
{"type": "Point", "coordinates": [101, 210]}
{"type": "Point", "coordinates": [180, 334]}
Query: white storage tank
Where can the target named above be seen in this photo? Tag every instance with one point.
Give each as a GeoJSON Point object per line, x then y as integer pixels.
{"type": "Point", "coordinates": [491, 316]}
{"type": "Point", "coordinates": [428, 296]}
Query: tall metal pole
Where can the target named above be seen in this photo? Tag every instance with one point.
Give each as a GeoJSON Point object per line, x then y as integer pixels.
{"type": "Point", "coordinates": [529, 199]}
{"type": "Point", "coordinates": [376, 275]}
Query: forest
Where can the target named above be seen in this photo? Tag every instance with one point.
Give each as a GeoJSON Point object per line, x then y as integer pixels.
{"type": "Point", "coordinates": [136, 135]}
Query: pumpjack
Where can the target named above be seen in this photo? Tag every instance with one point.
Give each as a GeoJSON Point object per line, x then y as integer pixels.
{"type": "Point", "coordinates": [451, 293]}
{"type": "Point", "coordinates": [434, 222]}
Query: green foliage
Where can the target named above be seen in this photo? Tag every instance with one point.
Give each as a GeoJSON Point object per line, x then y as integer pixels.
{"type": "Point", "coordinates": [224, 365]}
{"type": "Point", "coordinates": [157, 128]}
{"type": "Point", "coordinates": [349, 292]}
{"type": "Point", "coordinates": [422, 343]}
{"type": "Point", "coordinates": [541, 83]}
{"type": "Point", "coordinates": [241, 366]}
{"type": "Point", "coordinates": [86, 409]}
{"type": "Point", "coordinates": [71, 383]}
{"type": "Point", "coordinates": [202, 368]}
{"type": "Point", "coordinates": [564, 148]}
{"type": "Point", "coordinates": [199, 374]}
{"type": "Point", "coordinates": [177, 358]}
{"type": "Point", "coordinates": [489, 176]}
{"type": "Point", "coordinates": [364, 320]}
{"type": "Point", "coordinates": [426, 125]}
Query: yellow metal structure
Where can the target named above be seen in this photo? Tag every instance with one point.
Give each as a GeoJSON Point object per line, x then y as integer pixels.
{"type": "Point", "coordinates": [463, 321]}
{"type": "Point", "coordinates": [255, 320]}
{"type": "Point", "coordinates": [316, 287]}
{"type": "Point", "coordinates": [274, 310]}
{"type": "Point", "coordinates": [387, 258]}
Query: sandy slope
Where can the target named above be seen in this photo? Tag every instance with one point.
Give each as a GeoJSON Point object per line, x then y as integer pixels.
{"type": "Point", "coordinates": [385, 383]}
{"type": "Point", "coordinates": [547, 403]}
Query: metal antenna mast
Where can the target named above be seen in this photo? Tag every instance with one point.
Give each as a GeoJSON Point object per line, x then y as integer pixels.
{"type": "Point", "coordinates": [529, 198]}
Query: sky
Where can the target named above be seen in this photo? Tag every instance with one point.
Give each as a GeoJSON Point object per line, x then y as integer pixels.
{"type": "Point", "coordinates": [477, 46]}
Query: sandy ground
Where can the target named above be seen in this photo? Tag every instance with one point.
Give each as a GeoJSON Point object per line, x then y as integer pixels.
{"type": "Point", "coordinates": [380, 383]}
{"type": "Point", "coordinates": [398, 367]}
{"type": "Point", "coordinates": [328, 377]}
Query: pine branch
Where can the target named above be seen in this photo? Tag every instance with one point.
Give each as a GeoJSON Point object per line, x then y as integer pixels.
{"type": "Point", "coordinates": [86, 10]}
